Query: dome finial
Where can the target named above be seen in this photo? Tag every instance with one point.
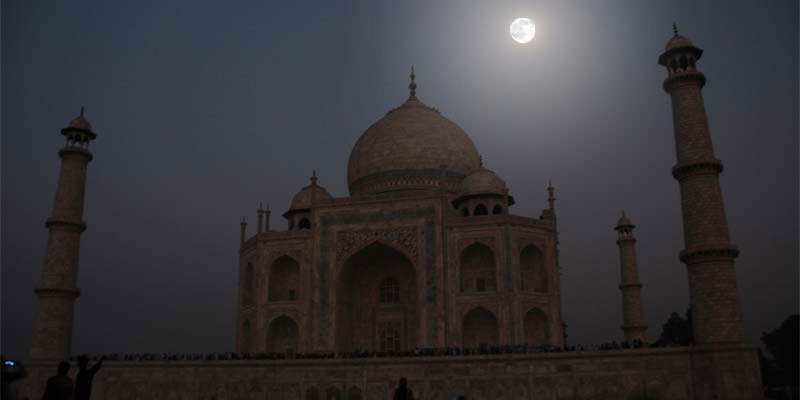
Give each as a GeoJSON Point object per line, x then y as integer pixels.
{"type": "Point", "coordinates": [314, 177]}
{"type": "Point", "coordinates": [412, 87]}
{"type": "Point", "coordinates": [675, 29]}
{"type": "Point", "coordinates": [480, 160]}
{"type": "Point", "coordinates": [81, 111]}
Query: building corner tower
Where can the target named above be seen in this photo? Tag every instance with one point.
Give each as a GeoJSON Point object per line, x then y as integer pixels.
{"type": "Point", "coordinates": [633, 325]}
{"type": "Point", "coordinates": [57, 291]}
{"type": "Point", "coordinates": [708, 254]}
{"type": "Point", "coordinates": [722, 365]}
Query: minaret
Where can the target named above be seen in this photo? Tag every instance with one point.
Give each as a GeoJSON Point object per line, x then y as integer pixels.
{"type": "Point", "coordinates": [57, 291]}
{"type": "Point", "coordinates": [632, 316]}
{"type": "Point", "coordinates": [708, 255]}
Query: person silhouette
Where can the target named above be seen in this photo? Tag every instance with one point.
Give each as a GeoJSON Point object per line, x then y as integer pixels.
{"type": "Point", "coordinates": [403, 392]}
{"type": "Point", "coordinates": [83, 381]}
{"type": "Point", "coordinates": [59, 387]}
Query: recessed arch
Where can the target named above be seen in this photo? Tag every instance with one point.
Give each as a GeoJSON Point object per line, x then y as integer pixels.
{"type": "Point", "coordinates": [284, 279]}
{"type": "Point", "coordinates": [246, 338]}
{"type": "Point", "coordinates": [360, 313]}
{"type": "Point", "coordinates": [536, 328]}
{"type": "Point", "coordinates": [304, 224]}
{"type": "Point", "coordinates": [312, 393]}
{"type": "Point", "coordinates": [333, 393]}
{"type": "Point", "coordinates": [477, 269]}
{"type": "Point", "coordinates": [479, 328]}
{"type": "Point", "coordinates": [282, 335]}
{"type": "Point", "coordinates": [533, 274]}
{"type": "Point", "coordinates": [498, 209]}
{"type": "Point", "coordinates": [480, 209]}
{"type": "Point", "coordinates": [354, 393]}
{"type": "Point", "coordinates": [248, 282]}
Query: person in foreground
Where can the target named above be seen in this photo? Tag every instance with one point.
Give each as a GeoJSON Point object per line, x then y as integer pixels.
{"type": "Point", "coordinates": [59, 387]}
{"type": "Point", "coordinates": [83, 381]}
{"type": "Point", "coordinates": [403, 392]}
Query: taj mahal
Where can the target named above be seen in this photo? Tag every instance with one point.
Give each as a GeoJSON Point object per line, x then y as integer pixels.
{"type": "Point", "coordinates": [427, 253]}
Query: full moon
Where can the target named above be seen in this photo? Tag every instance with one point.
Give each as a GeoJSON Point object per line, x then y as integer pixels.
{"type": "Point", "coordinates": [522, 30]}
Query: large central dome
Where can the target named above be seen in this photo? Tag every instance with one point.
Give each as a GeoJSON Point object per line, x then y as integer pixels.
{"type": "Point", "coordinates": [406, 150]}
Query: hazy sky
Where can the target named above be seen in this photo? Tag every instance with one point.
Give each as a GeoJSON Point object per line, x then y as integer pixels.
{"type": "Point", "coordinates": [205, 108]}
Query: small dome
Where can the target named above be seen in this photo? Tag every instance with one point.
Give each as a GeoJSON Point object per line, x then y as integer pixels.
{"type": "Point", "coordinates": [624, 221]}
{"type": "Point", "coordinates": [303, 198]}
{"type": "Point", "coordinates": [482, 181]}
{"type": "Point", "coordinates": [80, 122]}
{"type": "Point", "coordinates": [678, 42]}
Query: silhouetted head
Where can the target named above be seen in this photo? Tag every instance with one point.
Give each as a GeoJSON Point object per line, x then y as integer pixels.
{"type": "Point", "coordinates": [83, 361]}
{"type": "Point", "coordinates": [63, 368]}
{"type": "Point", "coordinates": [403, 382]}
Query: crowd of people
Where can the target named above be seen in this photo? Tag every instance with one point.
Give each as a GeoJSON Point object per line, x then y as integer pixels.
{"type": "Point", "coordinates": [419, 352]}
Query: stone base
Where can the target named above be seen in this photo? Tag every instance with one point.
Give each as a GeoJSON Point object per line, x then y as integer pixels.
{"type": "Point", "coordinates": [668, 373]}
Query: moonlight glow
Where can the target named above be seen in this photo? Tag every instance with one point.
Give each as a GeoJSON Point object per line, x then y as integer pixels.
{"type": "Point", "coordinates": [522, 30]}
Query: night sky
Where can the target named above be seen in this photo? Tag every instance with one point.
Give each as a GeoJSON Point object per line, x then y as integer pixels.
{"type": "Point", "coordinates": [203, 109]}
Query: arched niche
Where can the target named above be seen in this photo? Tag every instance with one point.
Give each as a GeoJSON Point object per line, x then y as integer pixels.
{"type": "Point", "coordinates": [312, 393]}
{"type": "Point", "coordinates": [479, 328]}
{"type": "Point", "coordinates": [354, 393]}
{"type": "Point", "coordinates": [333, 393]}
{"type": "Point", "coordinates": [533, 274]}
{"type": "Point", "coordinates": [246, 338]}
{"type": "Point", "coordinates": [360, 311]}
{"type": "Point", "coordinates": [536, 328]}
{"type": "Point", "coordinates": [282, 335]}
{"type": "Point", "coordinates": [477, 269]}
{"type": "Point", "coordinates": [284, 279]}
{"type": "Point", "coordinates": [481, 209]}
{"type": "Point", "coordinates": [497, 209]}
{"type": "Point", "coordinates": [248, 281]}
{"type": "Point", "coordinates": [304, 224]}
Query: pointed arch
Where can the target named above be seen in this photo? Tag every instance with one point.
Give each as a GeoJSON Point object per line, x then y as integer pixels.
{"type": "Point", "coordinates": [354, 393]}
{"type": "Point", "coordinates": [304, 224]}
{"type": "Point", "coordinates": [333, 393]}
{"type": "Point", "coordinates": [536, 328]}
{"type": "Point", "coordinates": [479, 328]}
{"type": "Point", "coordinates": [282, 335]}
{"type": "Point", "coordinates": [376, 289]}
{"type": "Point", "coordinates": [533, 274]}
{"type": "Point", "coordinates": [246, 343]}
{"type": "Point", "coordinates": [477, 269]}
{"type": "Point", "coordinates": [284, 279]}
{"type": "Point", "coordinates": [498, 209]}
{"type": "Point", "coordinates": [480, 209]}
{"type": "Point", "coordinates": [248, 281]}
{"type": "Point", "coordinates": [312, 393]}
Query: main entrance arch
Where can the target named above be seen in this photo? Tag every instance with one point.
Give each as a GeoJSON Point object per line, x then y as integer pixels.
{"type": "Point", "coordinates": [376, 301]}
